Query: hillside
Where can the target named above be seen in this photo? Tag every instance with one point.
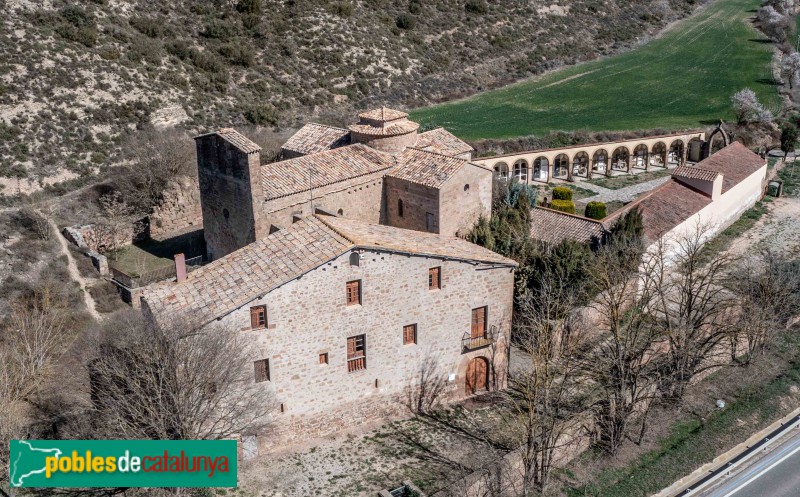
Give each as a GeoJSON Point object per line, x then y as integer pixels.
{"type": "Point", "coordinates": [75, 78]}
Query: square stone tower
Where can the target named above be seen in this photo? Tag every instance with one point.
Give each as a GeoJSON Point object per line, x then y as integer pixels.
{"type": "Point", "coordinates": [229, 172]}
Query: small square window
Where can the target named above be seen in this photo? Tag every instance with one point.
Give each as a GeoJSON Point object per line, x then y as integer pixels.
{"type": "Point", "coordinates": [323, 358]}
{"type": "Point", "coordinates": [353, 292]}
{"type": "Point", "coordinates": [261, 370]}
{"type": "Point", "coordinates": [434, 278]}
{"type": "Point", "coordinates": [258, 317]}
{"type": "Point", "coordinates": [409, 334]}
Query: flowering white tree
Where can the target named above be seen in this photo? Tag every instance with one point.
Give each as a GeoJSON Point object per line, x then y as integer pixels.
{"type": "Point", "coordinates": [791, 65]}
{"type": "Point", "coordinates": [748, 109]}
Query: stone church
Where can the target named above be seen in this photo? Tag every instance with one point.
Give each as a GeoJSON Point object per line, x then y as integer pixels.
{"type": "Point", "coordinates": [380, 170]}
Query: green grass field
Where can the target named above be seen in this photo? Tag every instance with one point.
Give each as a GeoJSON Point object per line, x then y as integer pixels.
{"type": "Point", "coordinates": [682, 79]}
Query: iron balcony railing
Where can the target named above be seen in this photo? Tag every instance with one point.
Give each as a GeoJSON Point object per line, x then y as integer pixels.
{"type": "Point", "coordinates": [469, 342]}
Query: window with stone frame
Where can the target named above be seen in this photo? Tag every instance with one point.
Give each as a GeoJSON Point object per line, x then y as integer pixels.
{"type": "Point", "coordinates": [353, 292]}
{"type": "Point", "coordinates": [261, 370]}
{"type": "Point", "coordinates": [356, 353]}
{"type": "Point", "coordinates": [409, 334]}
{"type": "Point", "coordinates": [435, 278]}
{"type": "Point", "coordinates": [258, 317]}
{"type": "Point", "coordinates": [400, 207]}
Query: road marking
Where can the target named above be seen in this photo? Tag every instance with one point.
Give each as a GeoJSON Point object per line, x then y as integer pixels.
{"type": "Point", "coordinates": [754, 478]}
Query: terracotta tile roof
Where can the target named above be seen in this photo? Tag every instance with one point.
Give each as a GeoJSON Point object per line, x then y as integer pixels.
{"type": "Point", "coordinates": [232, 281]}
{"type": "Point", "coordinates": [238, 278]}
{"type": "Point", "coordinates": [734, 162]}
{"type": "Point", "coordinates": [313, 138]}
{"type": "Point", "coordinates": [425, 168]}
{"type": "Point", "coordinates": [553, 226]}
{"type": "Point", "coordinates": [694, 172]}
{"type": "Point", "coordinates": [388, 238]}
{"type": "Point", "coordinates": [443, 142]}
{"type": "Point", "coordinates": [236, 139]}
{"type": "Point", "coordinates": [383, 114]}
{"type": "Point", "coordinates": [400, 128]}
{"type": "Point", "coordinates": [287, 177]}
{"type": "Point", "coordinates": [664, 208]}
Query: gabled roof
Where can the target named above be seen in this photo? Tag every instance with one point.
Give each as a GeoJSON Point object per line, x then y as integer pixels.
{"type": "Point", "coordinates": [287, 177]}
{"type": "Point", "coordinates": [233, 281]}
{"type": "Point", "coordinates": [551, 226]}
{"type": "Point", "coordinates": [443, 142]}
{"type": "Point", "coordinates": [388, 238]}
{"type": "Point", "coordinates": [383, 114]}
{"type": "Point", "coordinates": [313, 138]}
{"type": "Point", "coordinates": [734, 162]}
{"type": "Point", "coordinates": [694, 172]}
{"type": "Point", "coordinates": [425, 168]}
{"type": "Point", "coordinates": [235, 138]}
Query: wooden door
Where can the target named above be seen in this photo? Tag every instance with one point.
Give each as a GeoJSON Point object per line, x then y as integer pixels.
{"type": "Point", "coordinates": [478, 323]}
{"type": "Point", "coordinates": [477, 375]}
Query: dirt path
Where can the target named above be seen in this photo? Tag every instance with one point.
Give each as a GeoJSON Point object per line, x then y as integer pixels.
{"type": "Point", "coordinates": [778, 230]}
{"type": "Point", "coordinates": [72, 267]}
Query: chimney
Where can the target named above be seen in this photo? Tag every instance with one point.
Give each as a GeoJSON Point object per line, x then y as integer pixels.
{"type": "Point", "coordinates": [180, 267]}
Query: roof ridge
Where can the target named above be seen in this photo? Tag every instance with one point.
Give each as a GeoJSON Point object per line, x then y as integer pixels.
{"type": "Point", "coordinates": [418, 149]}
{"type": "Point", "coordinates": [327, 126]}
{"type": "Point", "coordinates": [338, 232]}
{"type": "Point", "coordinates": [596, 221]}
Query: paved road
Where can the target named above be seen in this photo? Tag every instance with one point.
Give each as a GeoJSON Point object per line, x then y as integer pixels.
{"type": "Point", "coordinates": [775, 475]}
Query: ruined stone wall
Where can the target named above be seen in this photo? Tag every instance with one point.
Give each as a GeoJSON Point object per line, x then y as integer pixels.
{"type": "Point", "coordinates": [357, 198]}
{"type": "Point", "coordinates": [418, 201]}
{"type": "Point", "coordinates": [309, 316]}
{"type": "Point", "coordinates": [179, 211]}
{"type": "Point", "coordinates": [463, 198]}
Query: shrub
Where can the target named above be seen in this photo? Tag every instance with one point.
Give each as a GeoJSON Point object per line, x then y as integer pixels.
{"type": "Point", "coordinates": [476, 6]}
{"type": "Point", "coordinates": [415, 6]}
{"type": "Point", "coordinates": [179, 48]}
{"type": "Point", "coordinates": [595, 210]}
{"type": "Point", "coordinates": [261, 114]}
{"type": "Point", "coordinates": [249, 6]}
{"type": "Point", "coordinates": [405, 21]}
{"type": "Point", "coordinates": [239, 54]}
{"type": "Point", "coordinates": [147, 26]}
{"type": "Point", "coordinates": [342, 9]}
{"type": "Point", "coordinates": [562, 193]}
{"type": "Point", "coordinates": [567, 206]}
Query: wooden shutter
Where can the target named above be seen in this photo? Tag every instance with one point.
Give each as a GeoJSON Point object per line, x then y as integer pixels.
{"type": "Point", "coordinates": [356, 353]}
{"type": "Point", "coordinates": [261, 368]}
{"type": "Point", "coordinates": [258, 317]}
{"type": "Point", "coordinates": [409, 334]}
{"type": "Point", "coordinates": [479, 322]}
{"type": "Point", "coordinates": [434, 278]}
{"type": "Point", "coordinates": [353, 290]}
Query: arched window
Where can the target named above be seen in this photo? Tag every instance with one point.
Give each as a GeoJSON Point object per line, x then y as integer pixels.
{"type": "Point", "coordinates": [521, 170]}
{"type": "Point", "coordinates": [541, 168]}
{"type": "Point", "coordinates": [501, 170]}
{"type": "Point", "coordinates": [580, 164]}
{"type": "Point", "coordinates": [560, 166]}
{"type": "Point", "coordinates": [400, 207]}
{"type": "Point", "coordinates": [600, 161]}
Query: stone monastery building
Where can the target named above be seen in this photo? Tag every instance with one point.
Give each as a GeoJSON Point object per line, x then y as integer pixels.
{"type": "Point", "coordinates": [339, 266]}
{"type": "Point", "coordinates": [380, 170]}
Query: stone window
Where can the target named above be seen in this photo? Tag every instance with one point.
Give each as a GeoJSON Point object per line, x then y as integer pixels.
{"type": "Point", "coordinates": [434, 278]}
{"type": "Point", "coordinates": [409, 334]}
{"type": "Point", "coordinates": [258, 317]}
{"type": "Point", "coordinates": [353, 292]}
{"type": "Point", "coordinates": [323, 358]}
{"type": "Point", "coordinates": [356, 353]}
{"type": "Point", "coordinates": [400, 207]}
{"type": "Point", "coordinates": [261, 369]}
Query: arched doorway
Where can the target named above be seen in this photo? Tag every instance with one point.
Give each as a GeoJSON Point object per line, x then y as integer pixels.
{"type": "Point", "coordinates": [521, 171]}
{"type": "Point", "coordinates": [501, 170]}
{"type": "Point", "coordinates": [640, 156]}
{"type": "Point", "coordinates": [619, 159]}
{"type": "Point", "coordinates": [541, 168]}
{"type": "Point", "coordinates": [477, 376]}
{"type": "Point", "coordinates": [580, 164]}
{"type": "Point", "coordinates": [658, 157]}
{"type": "Point", "coordinates": [561, 166]}
{"type": "Point", "coordinates": [600, 162]}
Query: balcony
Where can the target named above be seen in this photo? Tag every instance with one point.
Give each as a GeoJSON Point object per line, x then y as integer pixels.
{"type": "Point", "coordinates": [356, 364]}
{"type": "Point", "coordinates": [470, 343]}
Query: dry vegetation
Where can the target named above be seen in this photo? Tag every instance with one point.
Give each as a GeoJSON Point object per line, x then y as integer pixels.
{"type": "Point", "coordinates": [75, 79]}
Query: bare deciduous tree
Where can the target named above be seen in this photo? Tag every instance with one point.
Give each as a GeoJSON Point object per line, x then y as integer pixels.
{"type": "Point", "coordinates": [176, 382]}
{"type": "Point", "coordinates": [115, 228]}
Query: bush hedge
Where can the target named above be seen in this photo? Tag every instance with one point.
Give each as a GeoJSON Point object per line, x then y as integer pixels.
{"type": "Point", "coordinates": [595, 210]}
{"type": "Point", "coordinates": [562, 193]}
{"type": "Point", "coordinates": [567, 206]}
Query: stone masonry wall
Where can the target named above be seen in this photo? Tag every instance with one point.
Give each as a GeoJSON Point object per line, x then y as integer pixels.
{"type": "Point", "coordinates": [418, 201]}
{"type": "Point", "coordinates": [358, 198]}
{"type": "Point", "coordinates": [179, 211]}
{"type": "Point", "coordinates": [308, 316]}
{"type": "Point", "coordinates": [463, 198]}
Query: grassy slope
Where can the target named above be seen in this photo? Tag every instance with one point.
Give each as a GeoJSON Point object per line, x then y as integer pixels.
{"type": "Point", "coordinates": [682, 79]}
